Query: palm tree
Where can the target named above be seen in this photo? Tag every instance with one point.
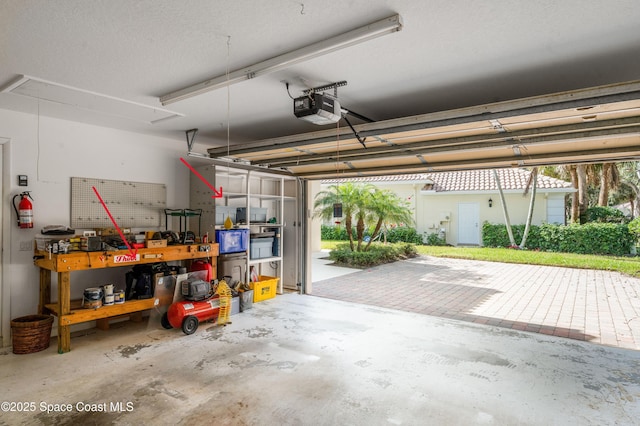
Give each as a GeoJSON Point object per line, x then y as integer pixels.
{"type": "Point", "coordinates": [567, 172]}
{"type": "Point", "coordinates": [505, 212]}
{"type": "Point", "coordinates": [603, 177]}
{"type": "Point", "coordinates": [629, 188]}
{"type": "Point", "coordinates": [350, 196]}
{"type": "Point", "coordinates": [385, 205]}
{"type": "Point", "coordinates": [364, 202]}
{"type": "Point", "coordinates": [364, 195]}
{"type": "Point", "coordinates": [609, 179]}
{"type": "Point", "coordinates": [533, 184]}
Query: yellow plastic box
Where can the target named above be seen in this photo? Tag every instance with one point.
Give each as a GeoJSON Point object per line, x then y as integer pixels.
{"type": "Point", "coordinates": [264, 288]}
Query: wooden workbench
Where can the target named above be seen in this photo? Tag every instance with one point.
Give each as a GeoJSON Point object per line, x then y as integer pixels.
{"type": "Point", "coordinates": [70, 312]}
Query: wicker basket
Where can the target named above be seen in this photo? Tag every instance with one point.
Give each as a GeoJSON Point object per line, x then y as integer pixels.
{"type": "Point", "coordinates": [31, 333]}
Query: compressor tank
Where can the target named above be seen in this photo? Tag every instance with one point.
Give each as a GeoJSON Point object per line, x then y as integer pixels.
{"type": "Point", "coordinates": [204, 310]}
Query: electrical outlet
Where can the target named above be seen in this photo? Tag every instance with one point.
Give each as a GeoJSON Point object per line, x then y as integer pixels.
{"type": "Point", "coordinates": [26, 245]}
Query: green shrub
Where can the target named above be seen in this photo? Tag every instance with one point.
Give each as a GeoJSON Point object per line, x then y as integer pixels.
{"type": "Point", "coordinates": [334, 233]}
{"type": "Point", "coordinates": [604, 215]}
{"type": "Point", "coordinates": [434, 240]}
{"type": "Point", "coordinates": [596, 238]}
{"type": "Point", "coordinates": [403, 234]}
{"type": "Point", "coordinates": [496, 235]}
{"type": "Point", "coordinates": [590, 238]}
{"type": "Point", "coordinates": [394, 235]}
{"type": "Point", "coordinates": [377, 254]}
{"type": "Point", "coordinates": [634, 227]}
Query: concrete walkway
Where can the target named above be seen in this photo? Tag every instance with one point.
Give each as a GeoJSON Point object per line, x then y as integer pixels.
{"type": "Point", "coordinates": [596, 306]}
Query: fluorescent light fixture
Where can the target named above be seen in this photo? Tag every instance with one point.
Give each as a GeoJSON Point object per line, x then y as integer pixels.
{"type": "Point", "coordinates": [375, 29]}
{"type": "Point", "coordinates": [89, 101]}
{"type": "Point", "coordinates": [225, 162]}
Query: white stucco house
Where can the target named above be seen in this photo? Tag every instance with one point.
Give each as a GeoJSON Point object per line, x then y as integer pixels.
{"type": "Point", "coordinates": [456, 204]}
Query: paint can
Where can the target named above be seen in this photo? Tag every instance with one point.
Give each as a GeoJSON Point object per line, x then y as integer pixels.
{"type": "Point", "coordinates": [108, 289]}
{"type": "Point", "coordinates": [108, 299]}
{"type": "Point", "coordinates": [92, 298]}
{"type": "Point", "coordinates": [118, 297]}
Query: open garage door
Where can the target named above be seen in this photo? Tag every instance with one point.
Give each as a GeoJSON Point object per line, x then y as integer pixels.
{"type": "Point", "coordinates": [583, 126]}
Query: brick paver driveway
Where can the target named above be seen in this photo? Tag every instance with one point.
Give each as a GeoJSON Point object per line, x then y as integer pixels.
{"type": "Point", "coordinates": [597, 306]}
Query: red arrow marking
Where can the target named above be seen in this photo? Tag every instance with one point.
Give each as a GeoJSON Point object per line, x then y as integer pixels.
{"type": "Point", "coordinates": [216, 193]}
{"type": "Point", "coordinates": [131, 251]}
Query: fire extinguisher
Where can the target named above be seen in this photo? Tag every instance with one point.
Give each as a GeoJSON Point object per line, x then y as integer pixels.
{"type": "Point", "coordinates": [24, 211]}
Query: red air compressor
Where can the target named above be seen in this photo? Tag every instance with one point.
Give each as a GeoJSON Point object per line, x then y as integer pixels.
{"type": "Point", "coordinates": [188, 314]}
{"type": "Point", "coordinates": [24, 211]}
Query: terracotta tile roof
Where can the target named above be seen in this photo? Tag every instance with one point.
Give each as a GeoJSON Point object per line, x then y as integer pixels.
{"type": "Point", "coordinates": [468, 180]}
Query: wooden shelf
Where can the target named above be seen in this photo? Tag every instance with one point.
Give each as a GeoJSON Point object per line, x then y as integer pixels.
{"type": "Point", "coordinates": [78, 314]}
{"type": "Point", "coordinates": [71, 312]}
{"type": "Point", "coordinates": [85, 260]}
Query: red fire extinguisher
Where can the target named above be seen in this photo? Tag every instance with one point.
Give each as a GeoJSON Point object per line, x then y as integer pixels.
{"type": "Point", "coordinates": [24, 211]}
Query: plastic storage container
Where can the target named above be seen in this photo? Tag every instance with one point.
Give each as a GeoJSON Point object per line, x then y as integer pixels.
{"type": "Point", "coordinates": [223, 211]}
{"type": "Point", "coordinates": [261, 248]}
{"type": "Point", "coordinates": [232, 240]}
{"type": "Point", "coordinates": [258, 215]}
{"type": "Point", "coordinates": [264, 288]}
{"type": "Point", "coordinates": [233, 265]}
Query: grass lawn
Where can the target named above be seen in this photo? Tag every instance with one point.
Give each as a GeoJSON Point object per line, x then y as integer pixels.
{"type": "Point", "coordinates": [625, 265]}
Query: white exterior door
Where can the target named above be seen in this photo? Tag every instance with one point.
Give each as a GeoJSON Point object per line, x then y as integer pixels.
{"type": "Point", "coordinates": [469, 223]}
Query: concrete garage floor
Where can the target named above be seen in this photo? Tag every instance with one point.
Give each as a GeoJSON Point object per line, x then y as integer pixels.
{"type": "Point", "coordinates": [302, 360]}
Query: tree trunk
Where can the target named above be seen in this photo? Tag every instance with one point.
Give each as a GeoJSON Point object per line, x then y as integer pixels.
{"type": "Point", "coordinates": [360, 232]}
{"type": "Point", "coordinates": [605, 184]}
{"type": "Point", "coordinates": [347, 225]}
{"type": "Point", "coordinates": [575, 203]}
{"type": "Point", "coordinates": [534, 185]}
{"type": "Point", "coordinates": [583, 201]}
{"type": "Point", "coordinates": [507, 221]}
{"type": "Point", "coordinates": [635, 200]}
{"type": "Point", "coordinates": [375, 232]}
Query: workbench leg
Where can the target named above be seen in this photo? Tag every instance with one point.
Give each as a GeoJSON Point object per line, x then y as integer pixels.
{"type": "Point", "coordinates": [45, 290]}
{"type": "Point", "coordinates": [102, 324]}
{"type": "Point", "coordinates": [64, 308]}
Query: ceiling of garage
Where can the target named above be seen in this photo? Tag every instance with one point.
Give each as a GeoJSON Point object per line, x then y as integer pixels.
{"type": "Point", "coordinates": [443, 93]}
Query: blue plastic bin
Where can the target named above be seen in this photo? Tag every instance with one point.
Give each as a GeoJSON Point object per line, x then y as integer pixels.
{"type": "Point", "coordinates": [232, 240]}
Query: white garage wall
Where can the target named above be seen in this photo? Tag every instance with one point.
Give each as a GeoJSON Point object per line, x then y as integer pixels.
{"type": "Point", "coordinates": [50, 152]}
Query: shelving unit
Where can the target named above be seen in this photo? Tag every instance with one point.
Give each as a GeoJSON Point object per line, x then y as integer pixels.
{"type": "Point", "coordinates": [70, 312]}
{"type": "Point", "coordinates": [250, 190]}
{"type": "Point", "coordinates": [184, 215]}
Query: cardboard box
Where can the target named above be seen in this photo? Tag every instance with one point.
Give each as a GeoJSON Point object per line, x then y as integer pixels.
{"type": "Point", "coordinates": [156, 243]}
